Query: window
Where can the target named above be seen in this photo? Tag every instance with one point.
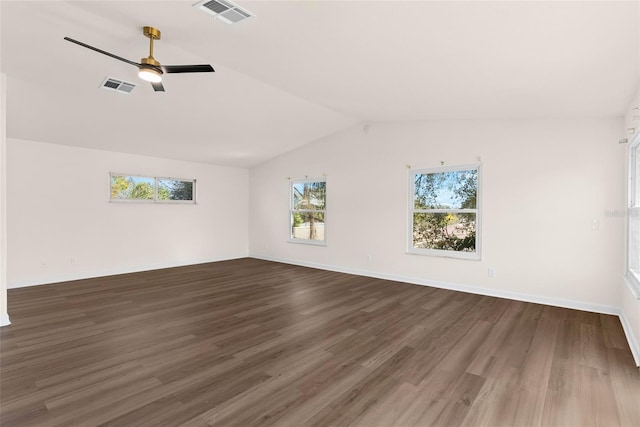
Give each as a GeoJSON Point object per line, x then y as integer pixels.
{"type": "Point", "coordinates": [444, 217]}
{"type": "Point", "coordinates": [307, 211]}
{"type": "Point", "coordinates": [151, 189]}
{"type": "Point", "coordinates": [633, 245]}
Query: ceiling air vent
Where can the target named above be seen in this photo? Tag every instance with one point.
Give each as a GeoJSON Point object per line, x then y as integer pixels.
{"type": "Point", "coordinates": [225, 10]}
{"type": "Point", "coordinates": [117, 85]}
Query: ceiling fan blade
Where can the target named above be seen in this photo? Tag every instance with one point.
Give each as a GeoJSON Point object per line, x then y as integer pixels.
{"type": "Point", "coordinates": [102, 51]}
{"type": "Point", "coordinates": [158, 87]}
{"type": "Point", "coordinates": [205, 68]}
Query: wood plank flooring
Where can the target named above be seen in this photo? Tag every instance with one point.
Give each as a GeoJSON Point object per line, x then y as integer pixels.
{"type": "Point", "coordinates": [249, 342]}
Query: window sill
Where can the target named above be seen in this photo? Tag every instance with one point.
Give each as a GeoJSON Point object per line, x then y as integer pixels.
{"type": "Point", "coordinates": [308, 242]}
{"type": "Point", "coordinates": [469, 256]}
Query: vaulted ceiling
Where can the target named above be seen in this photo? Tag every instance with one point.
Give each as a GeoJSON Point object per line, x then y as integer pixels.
{"type": "Point", "coordinates": [302, 70]}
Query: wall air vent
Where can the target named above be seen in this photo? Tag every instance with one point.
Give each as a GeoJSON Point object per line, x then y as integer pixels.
{"type": "Point", "coordinates": [117, 85]}
{"type": "Point", "coordinates": [225, 10]}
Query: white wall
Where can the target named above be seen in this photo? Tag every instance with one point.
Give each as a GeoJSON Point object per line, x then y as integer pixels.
{"type": "Point", "coordinates": [544, 183]}
{"type": "Point", "coordinates": [4, 316]}
{"type": "Point", "coordinates": [630, 303]}
{"type": "Point", "coordinates": [58, 209]}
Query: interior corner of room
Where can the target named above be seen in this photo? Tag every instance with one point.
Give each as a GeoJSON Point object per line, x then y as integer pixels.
{"type": "Point", "coordinates": [550, 117]}
{"type": "Point", "coordinates": [554, 181]}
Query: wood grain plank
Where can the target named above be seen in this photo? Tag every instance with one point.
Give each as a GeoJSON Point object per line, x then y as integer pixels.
{"type": "Point", "coordinates": [251, 342]}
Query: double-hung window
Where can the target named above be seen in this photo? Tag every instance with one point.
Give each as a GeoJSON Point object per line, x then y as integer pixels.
{"type": "Point", "coordinates": [444, 214]}
{"type": "Point", "coordinates": [151, 189]}
{"type": "Point", "coordinates": [633, 245]}
{"type": "Point", "coordinates": [307, 211]}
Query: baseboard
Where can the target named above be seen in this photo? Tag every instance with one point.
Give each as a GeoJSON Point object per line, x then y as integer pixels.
{"type": "Point", "coordinates": [558, 302]}
{"type": "Point", "coordinates": [633, 343]}
{"type": "Point", "coordinates": [4, 320]}
{"type": "Point", "coordinates": [106, 273]}
{"type": "Point", "coordinates": [537, 299]}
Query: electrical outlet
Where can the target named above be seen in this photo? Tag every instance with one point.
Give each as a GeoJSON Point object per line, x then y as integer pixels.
{"type": "Point", "coordinates": [369, 259]}
{"type": "Point", "coordinates": [491, 272]}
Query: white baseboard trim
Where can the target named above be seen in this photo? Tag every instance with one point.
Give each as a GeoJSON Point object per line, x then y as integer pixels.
{"type": "Point", "coordinates": [558, 302]}
{"type": "Point", "coordinates": [633, 343]}
{"type": "Point", "coordinates": [4, 320]}
{"type": "Point", "coordinates": [106, 273]}
{"type": "Point", "coordinates": [537, 299]}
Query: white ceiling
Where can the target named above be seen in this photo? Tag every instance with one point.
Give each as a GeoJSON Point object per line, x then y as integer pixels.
{"type": "Point", "coordinates": [303, 70]}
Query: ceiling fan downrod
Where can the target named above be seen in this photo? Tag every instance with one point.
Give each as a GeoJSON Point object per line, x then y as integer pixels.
{"type": "Point", "coordinates": [153, 34]}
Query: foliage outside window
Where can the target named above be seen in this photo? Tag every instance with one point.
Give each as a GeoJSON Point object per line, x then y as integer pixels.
{"type": "Point", "coordinates": [151, 189]}
{"type": "Point", "coordinates": [444, 214]}
{"type": "Point", "coordinates": [307, 211]}
{"type": "Point", "coordinates": [633, 246]}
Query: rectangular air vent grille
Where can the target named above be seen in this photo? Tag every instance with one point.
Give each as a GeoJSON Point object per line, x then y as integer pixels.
{"type": "Point", "coordinates": [235, 15]}
{"type": "Point", "coordinates": [225, 10]}
{"type": "Point", "coordinates": [117, 85]}
{"type": "Point", "coordinates": [216, 6]}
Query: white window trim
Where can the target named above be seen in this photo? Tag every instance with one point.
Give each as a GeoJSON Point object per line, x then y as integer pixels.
{"type": "Point", "coordinates": [473, 256]}
{"type": "Point", "coordinates": [155, 190]}
{"type": "Point", "coordinates": [291, 239]}
{"type": "Point", "coordinates": [633, 208]}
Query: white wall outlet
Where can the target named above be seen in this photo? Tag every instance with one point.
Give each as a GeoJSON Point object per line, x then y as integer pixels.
{"type": "Point", "coordinates": [491, 272]}
{"type": "Point", "coordinates": [595, 224]}
{"type": "Point", "coordinates": [369, 259]}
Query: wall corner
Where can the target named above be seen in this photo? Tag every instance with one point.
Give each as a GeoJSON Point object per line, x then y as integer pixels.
{"type": "Point", "coordinates": [4, 315]}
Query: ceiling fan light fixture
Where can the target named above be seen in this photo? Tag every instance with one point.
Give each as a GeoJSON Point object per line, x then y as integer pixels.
{"type": "Point", "coordinates": [150, 75]}
{"type": "Point", "coordinates": [149, 69]}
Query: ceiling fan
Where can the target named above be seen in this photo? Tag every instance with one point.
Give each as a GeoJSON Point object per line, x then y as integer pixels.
{"type": "Point", "coordinates": [150, 69]}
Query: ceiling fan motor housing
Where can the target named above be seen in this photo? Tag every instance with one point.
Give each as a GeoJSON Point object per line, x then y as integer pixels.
{"type": "Point", "coordinates": [149, 69]}
{"type": "Point", "coordinates": [150, 61]}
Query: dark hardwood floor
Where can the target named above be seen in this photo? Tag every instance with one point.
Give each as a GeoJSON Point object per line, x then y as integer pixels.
{"type": "Point", "coordinates": [250, 342]}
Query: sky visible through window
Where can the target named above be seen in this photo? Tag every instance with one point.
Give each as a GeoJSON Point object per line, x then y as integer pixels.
{"type": "Point", "coordinates": [444, 190]}
{"type": "Point", "coordinates": [154, 189]}
{"type": "Point", "coordinates": [141, 179]}
{"type": "Point", "coordinates": [444, 216]}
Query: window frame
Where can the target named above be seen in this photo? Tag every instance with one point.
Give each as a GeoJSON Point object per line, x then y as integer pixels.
{"type": "Point", "coordinates": [292, 210]}
{"type": "Point", "coordinates": [155, 199]}
{"type": "Point", "coordinates": [633, 210]}
{"type": "Point", "coordinates": [441, 253]}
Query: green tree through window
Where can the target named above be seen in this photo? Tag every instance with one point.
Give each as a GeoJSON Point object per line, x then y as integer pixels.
{"type": "Point", "coordinates": [444, 211]}
{"type": "Point", "coordinates": [307, 211]}
{"type": "Point", "coordinates": [141, 188]}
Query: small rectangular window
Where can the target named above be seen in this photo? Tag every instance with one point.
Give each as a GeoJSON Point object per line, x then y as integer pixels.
{"type": "Point", "coordinates": [175, 189]}
{"type": "Point", "coordinates": [307, 211]}
{"type": "Point", "coordinates": [151, 189]}
{"type": "Point", "coordinates": [129, 187]}
{"type": "Point", "coordinates": [444, 214]}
